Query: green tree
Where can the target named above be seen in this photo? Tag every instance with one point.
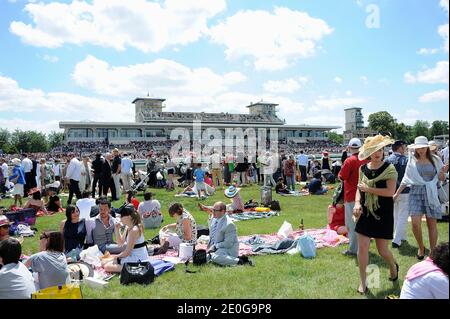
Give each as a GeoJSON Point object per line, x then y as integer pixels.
{"type": "Point", "coordinates": [403, 132]}
{"type": "Point", "coordinates": [336, 138]}
{"type": "Point", "coordinates": [5, 138]}
{"type": "Point", "coordinates": [382, 122]}
{"type": "Point", "coordinates": [421, 128]}
{"type": "Point", "coordinates": [438, 128]}
{"type": "Point", "coordinates": [55, 139]}
{"type": "Point", "coordinates": [29, 141]}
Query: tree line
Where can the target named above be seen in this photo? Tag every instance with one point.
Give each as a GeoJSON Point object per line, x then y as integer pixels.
{"type": "Point", "coordinates": [28, 141]}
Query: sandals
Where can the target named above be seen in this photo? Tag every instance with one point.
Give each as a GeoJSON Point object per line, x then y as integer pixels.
{"type": "Point", "coordinates": [396, 277]}
{"type": "Point", "coordinates": [362, 292]}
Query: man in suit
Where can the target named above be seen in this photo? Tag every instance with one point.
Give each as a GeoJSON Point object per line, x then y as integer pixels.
{"type": "Point", "coordinates": [97, 166]}
{"type": "Point", "coordinates": [107, 181]}
{"type": "Point", "coordinates": [223, 246]}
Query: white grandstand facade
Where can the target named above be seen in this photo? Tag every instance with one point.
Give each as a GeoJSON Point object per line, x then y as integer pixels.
{"type": "Point", "coordinates": [154, 124]}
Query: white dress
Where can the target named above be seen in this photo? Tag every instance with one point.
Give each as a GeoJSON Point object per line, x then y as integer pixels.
{"type": "Point", "coordinates": [137, 254]}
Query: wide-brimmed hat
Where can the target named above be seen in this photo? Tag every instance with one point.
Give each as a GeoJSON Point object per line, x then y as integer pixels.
{"type": "Point", "coordinates": [373, 144]}
{"type": "Point", "coordinates": [16, 161]}
{"type": "Point", "coordinates": [433, 145]}
{"type": "Point", "coordinates": [80, 270]}
{"type": "Point", "coordinates": [419, 142]}
{"type": "Point", "coordinates": [55, 185]}
{"type": "Point", "coordinates": [231, 191]}
{"type": "Point", "coordinates": [4, 221]}
{"type": "Point", "coordinates": [34, 190]}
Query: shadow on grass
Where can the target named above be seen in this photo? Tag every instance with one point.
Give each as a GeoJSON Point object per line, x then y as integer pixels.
{"type": "Point", "coordinates": [395, 290]}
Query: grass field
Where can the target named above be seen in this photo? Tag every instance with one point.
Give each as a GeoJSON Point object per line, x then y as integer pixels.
{"type": "Point", "coordinates": [329, 275]}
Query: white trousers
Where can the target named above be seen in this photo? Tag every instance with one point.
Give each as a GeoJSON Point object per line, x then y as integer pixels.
{"type": "Point", "coordinates": [400, 218]}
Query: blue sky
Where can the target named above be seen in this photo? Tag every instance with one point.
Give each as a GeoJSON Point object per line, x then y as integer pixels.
{"type": "Point", "coordinates": [87, 60]}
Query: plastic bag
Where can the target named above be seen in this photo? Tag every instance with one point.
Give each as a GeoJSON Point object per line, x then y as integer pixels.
{"type": "Point", "coordinates": [92, 256]}
{"type": "Point", "coordinates": [307, 246]}
{"type": "Point", "coordinates": [285, 229]}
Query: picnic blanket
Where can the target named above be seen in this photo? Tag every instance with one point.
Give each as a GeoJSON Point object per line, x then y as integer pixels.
{"type": "Point", "coordinates": [295, 193]}
{"type": "Point", "coordinates": [323, 238]}
{"type": "Point", "coordinates": [249, 215]}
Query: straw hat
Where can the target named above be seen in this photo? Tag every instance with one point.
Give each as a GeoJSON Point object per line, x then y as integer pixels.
{"type": "Point", "coordinates": [16, 161]}
{"type": "Point", "coordinates": [373, 144]}
{"type": "Point", "coordinates": [232, 191]}
{"type": "Point", "coordinates": [419, 142]}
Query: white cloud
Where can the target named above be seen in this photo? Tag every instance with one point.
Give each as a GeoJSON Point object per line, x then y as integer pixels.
{"type": "Point", "coordinates": [435, 96]}
{"type": "Point", "coordinates": [334, 102]}
{"type": "Point", "coordinates": [145, 25]}
{"type": "Point", "coordinates": [273, 40]}
{"type": "Point", "coordinates": [443, 32]}
{"type": "Point", "coordinates": [438, 74]}
{"type": "Point", "coordinates": [284, 86]}
{"type": "Point", "coordinates": [348, 93]}
{"type": "Point", "coordinates": [25, 125]}
{"type": "Point", "coordinates": [364, 79]}
{"type": "Point", "coordinates": [50, 58]}
{"type": "Point", "coordinates": [338, 80]}
{"type": "Point", "coordinates": [425, 51]}
{"type": "Point", "coordinates": [444, 5]}
{"type": "Point", "coordinates": [161, 77]}
{"type": "Point", "coordinates": [46, 108]}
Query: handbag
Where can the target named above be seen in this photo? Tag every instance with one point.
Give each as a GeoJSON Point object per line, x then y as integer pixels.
{"type": "Point", "coordinates": [138, 272]}
{"type": "Point", "coordinates": [442, 194]}
{"type": "Point", "coordinates": [199, 257]}
{"type": "Point", "coordinates": [69, 291]}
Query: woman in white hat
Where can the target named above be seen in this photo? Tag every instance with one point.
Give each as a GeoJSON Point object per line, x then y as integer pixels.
{"type": "Point", "coordinates": [423, 173]}
{"type": "Point", "coordinates": [374, 206]}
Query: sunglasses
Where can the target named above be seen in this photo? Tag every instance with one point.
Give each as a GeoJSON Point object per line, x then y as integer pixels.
{"type": "Point", "coordinates": [4, 226]}
{"type": "Point", "coordinates": [43, 236]}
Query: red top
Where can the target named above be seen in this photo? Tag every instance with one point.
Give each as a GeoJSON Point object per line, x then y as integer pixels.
{"type": "Point", "coordinates": [350, 174]}
{"type": "Point", "coordinates": [135, 203]}
{"type": "Point", "coordinates": [338, 217]}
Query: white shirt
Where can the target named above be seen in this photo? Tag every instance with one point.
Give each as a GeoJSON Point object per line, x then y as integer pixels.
{"type": "Point", "coordinates": [84, 206]}
{"type": "Point", "coordinates": [302, 160]}
{"type": "Point", "coordinates": [5, 170]}
{"type": "Point", "coordinates": [16, 282]}
{"type": "Point", "coordinates": [445, 155]}
{"type": "Point", "coordinates": [127, 164]}
{"type": "Point", "coordinates": [74, 169]}
{"type": "Point", "coordinates": [215, 160]}
{"type": "Point", "coordinates": [27, 165]}
{"type": "Point", "coordinates": [433, 285]}
{"type": "Point", "coordinates": [56, 169]}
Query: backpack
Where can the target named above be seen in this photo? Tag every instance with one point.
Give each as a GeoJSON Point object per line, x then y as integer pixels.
{"type": "Point", "coordinates": [275, 205]}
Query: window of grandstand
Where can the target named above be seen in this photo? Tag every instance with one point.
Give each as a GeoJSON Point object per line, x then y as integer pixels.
{"type": "Point", "coordinates": [130, 132]}
{"type": "Point", "coordinates": [80, 132]}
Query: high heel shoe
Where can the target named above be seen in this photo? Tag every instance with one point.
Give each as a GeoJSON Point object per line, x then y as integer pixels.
{"type": "Point", "coordinates": [421, 257]}
{"type": "Point", "coordinates": [396, 277]}
{"type": "Point", "coordinates": [362, 292]}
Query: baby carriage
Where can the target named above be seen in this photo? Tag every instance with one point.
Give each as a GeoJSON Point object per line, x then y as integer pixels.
{"type": "Point", "coordinates": [140, 185]}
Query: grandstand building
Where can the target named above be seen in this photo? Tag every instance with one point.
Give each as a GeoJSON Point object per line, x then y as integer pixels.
{"type": "Point", "coordinates": [152, 123]}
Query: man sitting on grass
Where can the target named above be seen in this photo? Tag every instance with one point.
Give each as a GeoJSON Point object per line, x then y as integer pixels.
{"type": "Point", "coordinates": [315, 185]}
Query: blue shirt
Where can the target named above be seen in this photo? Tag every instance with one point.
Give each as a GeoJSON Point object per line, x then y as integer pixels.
{"type": "Point", "coordinates": [315, 185]}
{"type": "Point", "coordinates": [399, 161]}
{"type": "Point", "coordinates": [199, 175]}
{"type": "Point", "coordinates": [302, 160]}
{"type": "Point", "coordinates": [18, 171]}
{"type": "Point", "coordinates": [126, 165]}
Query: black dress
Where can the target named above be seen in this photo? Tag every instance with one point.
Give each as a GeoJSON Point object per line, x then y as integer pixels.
{"type": "Point", "coordinates": [74, 235]}
{"type": "Point", "coordinates": [367, 225]}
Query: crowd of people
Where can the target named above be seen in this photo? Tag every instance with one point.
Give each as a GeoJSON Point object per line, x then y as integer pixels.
{"type": "Point", "coordinates": [378, 194]}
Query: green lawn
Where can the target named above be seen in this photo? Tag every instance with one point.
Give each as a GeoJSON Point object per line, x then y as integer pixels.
{"type": "Point", "coordinates": [329, 275]}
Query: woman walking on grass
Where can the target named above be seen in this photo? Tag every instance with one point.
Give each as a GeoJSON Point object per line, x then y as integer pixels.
{"type": "Point", "coordinates": [374, 206]}
{"type": "Point", "coordinates": [423, 173]}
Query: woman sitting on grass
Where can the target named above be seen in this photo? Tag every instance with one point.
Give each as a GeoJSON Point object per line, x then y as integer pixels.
{"type": "Point", "coordinates": [50, 263]}
{"type": "Point", "coordinates": [73, 230]}
{"type": "Point", "coordinates": [54, 204]}
{"type": "Point", "coordinates": [281, 188]}
{"type": "Point", "coordinates": [133, 239]}
{"type": "Point", "coordinates": [428, 279]}
{"type": "Point", "coordinates": [36, 202]}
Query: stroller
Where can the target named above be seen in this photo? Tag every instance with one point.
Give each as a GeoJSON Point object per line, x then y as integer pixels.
{"type": "Point", "coordinates": [141, 183]}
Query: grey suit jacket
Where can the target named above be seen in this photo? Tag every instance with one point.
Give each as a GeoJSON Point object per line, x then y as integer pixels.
{"type": "Point", "coordinates": [226, 237]}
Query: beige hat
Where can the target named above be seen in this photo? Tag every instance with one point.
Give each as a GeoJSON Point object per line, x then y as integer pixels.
{"type": "Point", "coordinates": [16, 161]}
{"type": "Point", "coordinates": [433, 145]}
{"type": "Point", "coordinates": [373, 144]}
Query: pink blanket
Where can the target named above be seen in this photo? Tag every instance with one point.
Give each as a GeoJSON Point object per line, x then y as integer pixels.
{"type": "Point", "coordinates": [323, 238]}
